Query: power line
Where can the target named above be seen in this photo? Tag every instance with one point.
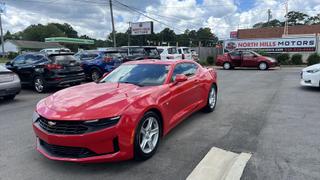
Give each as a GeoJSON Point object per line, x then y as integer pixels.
{"type": "Point", "coordinates": [133, 9]}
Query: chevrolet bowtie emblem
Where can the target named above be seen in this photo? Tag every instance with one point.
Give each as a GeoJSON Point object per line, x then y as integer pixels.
{"type": "Point", "coordinates": [51, 123]}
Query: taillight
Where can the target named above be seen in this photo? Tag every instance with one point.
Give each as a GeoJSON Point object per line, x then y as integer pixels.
{"type": "Point", "coordinates": [107, 59]}
{"type": "Point", "coordinates": [53, 66]}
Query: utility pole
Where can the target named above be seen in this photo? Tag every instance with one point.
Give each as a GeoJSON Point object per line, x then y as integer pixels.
{"type": "Point", "coordinates": [113, 30]}
{"type": "Point", "coordinates": [286, 28]}
{"type": "Point", "coordinates": [269, 15]}
{"type": "Point", "coordinates": [2, 41]}
{"type": "Point", "coordinates": [129, 32]}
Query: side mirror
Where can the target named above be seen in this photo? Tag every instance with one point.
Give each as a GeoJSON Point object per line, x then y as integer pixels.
{"type": "Point", "coordinates": [180, 78]}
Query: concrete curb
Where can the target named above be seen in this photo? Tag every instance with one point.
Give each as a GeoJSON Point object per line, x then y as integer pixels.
{"type": "Point", "coordinates": [219, 164]}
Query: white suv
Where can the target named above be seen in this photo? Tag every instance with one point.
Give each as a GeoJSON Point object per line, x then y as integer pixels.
{"type": "Point", "coordinates": [169, 53]}
{"type": "Point", "coordinates": [185, 53]}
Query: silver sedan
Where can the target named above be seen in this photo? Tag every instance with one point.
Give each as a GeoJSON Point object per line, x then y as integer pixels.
{"type": "Point", "coordinates": [9, 84]}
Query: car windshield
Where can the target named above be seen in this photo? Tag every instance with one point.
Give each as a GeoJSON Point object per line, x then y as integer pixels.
{"type": "Point", "coordinates": [139, 74]}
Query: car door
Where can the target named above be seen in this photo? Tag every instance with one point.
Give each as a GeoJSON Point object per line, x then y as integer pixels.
{"type": "Point", "coordinates": [16, 66]}
{"type": "Point", "coordinates": [236, 59]}
{"type": "Point", "coordinates": [26, 70]}
{"type": "Point", "coordinates": [184, 94]}
{"type": "Point", "coordinates": [249, 59]}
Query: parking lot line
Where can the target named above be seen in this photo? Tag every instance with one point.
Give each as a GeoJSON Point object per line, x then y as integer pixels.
{"type": "Point", "coordinates": [220, 164]}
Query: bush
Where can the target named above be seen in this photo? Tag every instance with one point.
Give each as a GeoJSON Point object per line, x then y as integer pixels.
{"type": "Point", "coordinates": [283, 58]}
{"type": "Point", "coordinates": [203, 62]}
{"type": "Point", "coordinates": [296, 59]}
{"type": "Point", "coordinates": [12, 55]}
{"type": "Point", "coordinates": [210, 60]}
{"type": "Point", "coordinates": [262, 53]}
{"type": "Point", "coordinates": [313, 59]}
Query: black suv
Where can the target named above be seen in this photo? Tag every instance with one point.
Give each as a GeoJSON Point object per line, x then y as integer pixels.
{"type": "Point", "coordinates": [133, 53]}
{"type": "Point", "coordinates": [47, 70]}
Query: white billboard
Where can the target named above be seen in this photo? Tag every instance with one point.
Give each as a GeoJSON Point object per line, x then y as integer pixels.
{"type": "Point", "coordinates": [142, 28]}
{"type": "Point", "coordinates": [296, 44]}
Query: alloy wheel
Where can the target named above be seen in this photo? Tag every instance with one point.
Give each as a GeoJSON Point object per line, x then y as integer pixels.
{"type": "Point", "coordinates": [149, 135]}
{"type": "Point", "coordinates": [263, 66]}
{"type": "Point", "coordinates": [212, 98]}
{"type": "Point", "coordinates": [95, 75]}
{"type": "Point", "coordinates": [38, 85]}
{"type": "Point", "coordinates": [226, 66]}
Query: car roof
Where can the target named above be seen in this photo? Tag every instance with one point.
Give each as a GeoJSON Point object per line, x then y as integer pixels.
{"type": "Point", "coordinates": [157, 61]}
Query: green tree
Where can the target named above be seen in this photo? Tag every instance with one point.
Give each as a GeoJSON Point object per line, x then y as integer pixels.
{"type": "Point", "coordinates": [67, 29]}
{"type": "Point", "coordinates": [313, 20]}
{"type": "Point", "coordinates": [296, 18]}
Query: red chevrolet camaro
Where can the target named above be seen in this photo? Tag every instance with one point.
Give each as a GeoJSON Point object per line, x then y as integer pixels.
{"type": "Point", "coordinates": [125, 114]}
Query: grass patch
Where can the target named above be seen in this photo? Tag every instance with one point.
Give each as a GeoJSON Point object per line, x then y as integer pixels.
{"type": "Point", "coordinates": [4, 60]}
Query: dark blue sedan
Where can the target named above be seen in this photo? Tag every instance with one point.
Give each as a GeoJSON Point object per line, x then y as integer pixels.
{"type": "Point", "coordinates": [96, 63]}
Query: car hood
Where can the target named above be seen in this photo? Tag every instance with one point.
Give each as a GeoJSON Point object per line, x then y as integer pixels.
{"type": "Point", "coordinates": [90, 101]}
{"type": "Point", "coordinates": [315, 66]}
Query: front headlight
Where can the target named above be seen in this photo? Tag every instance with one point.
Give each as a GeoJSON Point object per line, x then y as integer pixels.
{"type": "Point", "coordinates": [313, 70]}
{"type": "Point", "coordinates": [35, 117]}
{"type": "Point", "coordinates": [102, 122]}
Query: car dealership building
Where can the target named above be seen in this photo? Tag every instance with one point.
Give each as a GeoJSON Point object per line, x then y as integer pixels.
{"type": "Point", "coordinates": [303, 39]}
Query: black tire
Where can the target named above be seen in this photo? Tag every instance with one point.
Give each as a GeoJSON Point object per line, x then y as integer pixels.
{"type": "Point", "coordinates": [139, 154]}
{"type": "Point", "coordinates": [263, 66]}
{"type": "Point", "coordinates": [95, 75]}
{"type": "Point", "coordinates": [39, 84]}
{"type": "Point", "coordinates": [9, 97]}
{"type": "Point", "coordinates": [211, 106]}
{"type": "Point", "coordinates": [227, 66]}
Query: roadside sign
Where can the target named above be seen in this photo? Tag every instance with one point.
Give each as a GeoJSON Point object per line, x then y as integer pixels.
{"type": "Point", "coordinates": [142, 28]}
{"type": "Point", "coordinates": [273, 45]}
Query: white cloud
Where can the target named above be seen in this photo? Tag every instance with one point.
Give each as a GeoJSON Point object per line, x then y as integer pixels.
{"type": "Point", "coordinates": [94, 20]}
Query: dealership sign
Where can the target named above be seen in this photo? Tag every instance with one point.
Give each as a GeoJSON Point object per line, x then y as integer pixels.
{"type": "Point", "coordinates": [273, 45]}
{"type": "Point", "coordinates": [142, 28]}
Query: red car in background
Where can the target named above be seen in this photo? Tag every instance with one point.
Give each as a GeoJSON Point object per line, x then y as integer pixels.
{"type": "Point", "coordinates": [245, 59]}
{"type": "Point", "coordinates": [125, 114]}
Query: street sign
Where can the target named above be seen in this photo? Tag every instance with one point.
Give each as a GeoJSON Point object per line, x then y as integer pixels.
{"type": "Point", "coordinates": [69, 40]}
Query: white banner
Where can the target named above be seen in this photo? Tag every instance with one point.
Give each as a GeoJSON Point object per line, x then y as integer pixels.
{"type": "Point", "coordinates": [142, 28]}
{"type": "Point", "coordinates": [273, 44]}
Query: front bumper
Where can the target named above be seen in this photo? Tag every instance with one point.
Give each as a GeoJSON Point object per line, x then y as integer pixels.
{"type": "Point", "coordinates": [310, 79]}
{"type": "Point", "coordinates": [110, 144]}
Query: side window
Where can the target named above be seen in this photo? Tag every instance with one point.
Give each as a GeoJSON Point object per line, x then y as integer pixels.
{"type": "Point", "coordinates": [188, 69]}
{"type": "Point", "coordinates": [247, 54]}
{"type": "Point", "coordinates": [172, 51]}
{"type": "Point", "coordinates": [179, 50]}
{"type": "Point", "coordinates": [30, 59]}
{"type": "Point", "coordinates": [19, 60]}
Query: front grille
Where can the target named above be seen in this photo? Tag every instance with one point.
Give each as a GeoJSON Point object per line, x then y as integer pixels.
{"type": "Point", "coordinates": [66, 151]}
{"type": "Point", "coordinates": [62, 127]}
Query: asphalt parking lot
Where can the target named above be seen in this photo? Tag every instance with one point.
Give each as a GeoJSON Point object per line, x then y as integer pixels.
{"type": "Point", "coordinates": [266, 113]}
